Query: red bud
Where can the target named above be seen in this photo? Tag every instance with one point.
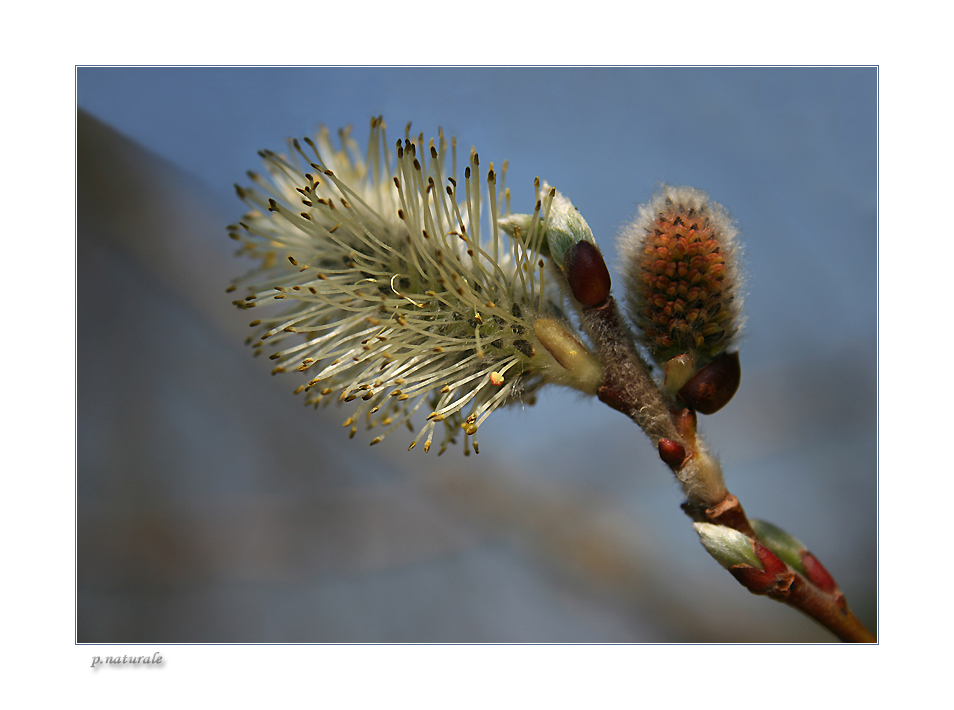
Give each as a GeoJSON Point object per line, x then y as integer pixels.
{"type": "Point", "coordinates": [774, 579]}
{"type": "Point", "coordinates": [770, 561]}
{"type": "Point", "coordinates": [817, 574]}
{"type": "Point", "coordinates": [587, 274]}
{"type": "Point", "coordinates": [672, 453]}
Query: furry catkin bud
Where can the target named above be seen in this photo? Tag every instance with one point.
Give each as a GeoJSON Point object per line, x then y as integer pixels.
{"type": "Point", "coordinates": [682, 277]}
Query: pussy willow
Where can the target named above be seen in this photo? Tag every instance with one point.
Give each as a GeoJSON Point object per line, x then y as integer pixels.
{"type": "Point", "coordinates": [392, 294]}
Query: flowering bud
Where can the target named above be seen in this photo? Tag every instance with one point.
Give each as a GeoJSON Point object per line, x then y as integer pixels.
{"type": "Point", "coordinates": [682, 276]}
{"type": "Point", "coordinates": [394, 297]}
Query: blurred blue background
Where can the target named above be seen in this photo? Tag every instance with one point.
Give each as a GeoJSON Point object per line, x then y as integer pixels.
{"type": "Point", "coordinates": [213, 507]}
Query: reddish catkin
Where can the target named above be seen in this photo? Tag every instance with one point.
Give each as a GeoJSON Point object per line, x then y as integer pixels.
{"type": "Point", "coordinates": [680, 263]}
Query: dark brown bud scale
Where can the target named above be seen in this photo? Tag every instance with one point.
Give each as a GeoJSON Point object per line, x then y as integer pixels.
{"type": "Point", "coordinates": [711, 388]}
{"type": "Point", "coordinates": [587, 275]}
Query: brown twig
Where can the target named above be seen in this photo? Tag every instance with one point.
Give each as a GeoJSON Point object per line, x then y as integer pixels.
{"type": "Point", "coordinates": [629, 388]}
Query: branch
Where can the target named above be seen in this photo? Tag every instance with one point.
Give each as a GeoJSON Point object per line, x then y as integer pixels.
{"type": "Point", "coordinates": [754, 558]}
{"type": "Point", "coordinates": [763, 572]}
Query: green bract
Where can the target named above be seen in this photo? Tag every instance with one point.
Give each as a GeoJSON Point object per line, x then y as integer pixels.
{"type": "Point", "coordinates": [565, 226]}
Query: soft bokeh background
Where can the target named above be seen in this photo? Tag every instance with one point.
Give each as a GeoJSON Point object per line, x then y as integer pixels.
{"type": "Point", "coordinates": [213, 507]}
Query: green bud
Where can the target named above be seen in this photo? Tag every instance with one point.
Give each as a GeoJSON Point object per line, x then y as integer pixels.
{"type": "Point", "coordinates": [729, 547]}
{"type": "Point", "coordinates": [565, 228]}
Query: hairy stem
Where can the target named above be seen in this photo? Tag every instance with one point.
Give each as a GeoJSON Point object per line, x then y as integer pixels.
{"type": "Point", "coordinates": [627, 384]}
{"type": "Point", "coordinates": [629, 387]}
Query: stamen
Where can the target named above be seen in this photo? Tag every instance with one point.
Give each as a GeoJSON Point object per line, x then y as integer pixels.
{"type": "Point", "coordinates": [377, 277]}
